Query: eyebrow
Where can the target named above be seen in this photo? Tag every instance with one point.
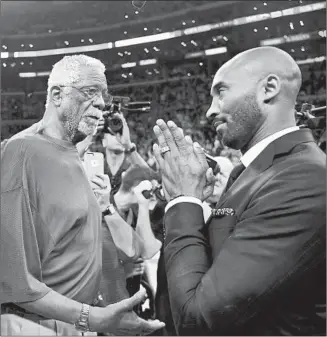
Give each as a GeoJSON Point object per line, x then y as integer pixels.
{"type": "Point", "coordinates": [217, 86]}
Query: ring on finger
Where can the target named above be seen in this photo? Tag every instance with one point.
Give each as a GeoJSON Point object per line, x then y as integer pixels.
{"type": "Point", "coordinates": [164, 149]}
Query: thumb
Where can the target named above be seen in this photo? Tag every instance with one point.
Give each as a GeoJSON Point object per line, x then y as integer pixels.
{"type": "Point", "coordinates": [200, 154]}
{"type": "Point", "coordinates": [129, 303]}
{"type": "Point", "coordinates": [211, 178]}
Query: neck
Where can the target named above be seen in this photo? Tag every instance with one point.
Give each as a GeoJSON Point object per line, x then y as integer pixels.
{"type": "Point", "coordinates": [270, 127]}
{"type": "Point", "coordinates": [122, 202]}
{"type": "Point", "coordinates": [114, 160]}
{"type": "Point", "coordinates": [53, 127]}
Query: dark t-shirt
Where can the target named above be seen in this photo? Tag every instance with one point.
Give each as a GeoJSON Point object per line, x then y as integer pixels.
{"type": "Point", "coordinates": [50, 221]}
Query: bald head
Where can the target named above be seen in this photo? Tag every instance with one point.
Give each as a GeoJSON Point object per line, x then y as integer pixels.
{"type": "Point", "coordinates": [256, 64]}
{"type": "Point", "coordinates": [254, 95]}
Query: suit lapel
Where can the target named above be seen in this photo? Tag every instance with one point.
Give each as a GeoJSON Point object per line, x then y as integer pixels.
{"type": "Point", "coordinates": [265, 159]}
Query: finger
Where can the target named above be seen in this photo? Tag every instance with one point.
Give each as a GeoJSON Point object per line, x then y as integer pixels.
{"type": "Point", "coordinates": [177, 134]}
{"type": "Point", "coordinates": [129, 303]}
{"type": "Point", "coordinates": [158, 156]}
{"type": "Point", "coordinates": [211, 178]}
{"type": "Point", "coordinates": [200, 154]}
{"type": "Point", "coordinates": [105, 178]}
{"type": "Point", "coordinates": [160, 137]}
{"type": "Point", "coordinates": [149, 326]}
{"type": "Point", "coordinates": [98, 182]}
{"type": "Point", "coordinates": [165, 138]}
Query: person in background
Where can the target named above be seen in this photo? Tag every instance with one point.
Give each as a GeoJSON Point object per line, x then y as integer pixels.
{"type": "Point", "coordinates": [51, 219]}
{"type": "Point", "coordinates": [135, 210]}
{"type": "Point", "coordinates": [118, 150]}
{"type": "Point", "coordinates": [258, 266]}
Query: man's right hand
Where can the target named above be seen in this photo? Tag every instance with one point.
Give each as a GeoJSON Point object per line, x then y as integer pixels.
{"type": "Point", "coordinates": [120, 319]}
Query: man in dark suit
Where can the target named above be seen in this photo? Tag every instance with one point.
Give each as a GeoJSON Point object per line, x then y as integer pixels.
{"type": "Point", "coordinates": [257, 267]}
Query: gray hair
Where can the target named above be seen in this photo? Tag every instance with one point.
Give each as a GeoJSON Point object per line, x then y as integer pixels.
{"type": "Point", "coordinates": [67, 71]}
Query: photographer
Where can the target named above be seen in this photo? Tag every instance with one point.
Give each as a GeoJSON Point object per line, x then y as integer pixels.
{"type": "Point", "coordinates": [118, 150]}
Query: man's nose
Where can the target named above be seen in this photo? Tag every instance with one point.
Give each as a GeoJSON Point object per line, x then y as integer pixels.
{"type": "Point", "coordinates": [213, 110]}
{"type": "Point", "coordinates": [99, 103]}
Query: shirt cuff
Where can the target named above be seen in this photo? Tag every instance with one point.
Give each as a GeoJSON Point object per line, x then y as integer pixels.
{"type": "Point", "coordinates": [183, 199]}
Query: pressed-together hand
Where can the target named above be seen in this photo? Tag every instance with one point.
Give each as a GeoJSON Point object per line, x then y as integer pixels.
{"type": "Point", "coordinates": [101, 186]}
{"type": "Point", "coordinates": [120, 319]}
{"type": "Point", "coordinates": [184, 168]}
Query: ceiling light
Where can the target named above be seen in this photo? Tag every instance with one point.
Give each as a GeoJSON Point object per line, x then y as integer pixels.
{"type": "Point", "coordinates": [156, 49]}
{"type": "Point", "coordinates": [265, 4]}
{"type": "Point", "coordinates": [292, 50]}
{"type": "Point", "coordinates": [200, 64]}
{"type": "Point", "coordinates": [120, 54]}
{"type": "Point", "coordinates": [31, 63]}
{"type": "Point", "coordinates": [22, 45]}
{"type": "Point", "coordinates": [193, 21]}
{"type": "Point", "coordinates": [130, 74]}
{"type": "Point", "coordinates": [183, 23]}
{"type": "Point", "coordinates": [126, 16]}
{"type": "Point", "coordinates": [4, 47]}
{"type": "Point", "coordinates": [123, 75]}
{"type": "Point", "coordinates": [291, 25]}
{"type": "Point", "coordinates": [50, 31]}
{"type": "Point", "coordinates": [125, 32]}
{"type": "Point", "coordinates": [129, 53]}
{"type": "Point", "coordinates": [22, 63]}
{"type": "Point", "coordinates": [214, 39]}
{"type": "Point", "coordinates": [255, 30]}
{"type": "Point", "coordinates": [183, 44]}
{"type": "Point", "coordinates": [301, 23]}
{"type": "Point", "coordinates": [82, 40]}
{"type": "Point", "coordinates": [255, 8]}
{"type": "Point", "coordinates": [31, 46]}
{"type": "Point", "coordinates": [146, 50]}
{"type": "Point", "coordinates": [13, 64]}
{"type": "Point", "coordinates": [188, 74]}
{"type": "Point", "coordinates": [145, 28]}
{"type": "Point", "coordinates": [90, 40]}
{"type": "Point", "coordinates": [302, 48]}
{"type": "Point", "coordinates": [126, 52]}
{"type": "Point", "coordinates": [136, 12]}
{"type": "Point", "coordinates": [194, 43]}
{"type": "Point", "coordinates": [66, 43]}
{"type": "Point", "coordinates": [225, 38]}
{"type": "Point", "coordinates": [4, 64]}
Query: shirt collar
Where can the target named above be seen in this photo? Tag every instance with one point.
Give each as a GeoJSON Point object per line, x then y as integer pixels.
{"type": "Point", "coordinates": [250, 155]}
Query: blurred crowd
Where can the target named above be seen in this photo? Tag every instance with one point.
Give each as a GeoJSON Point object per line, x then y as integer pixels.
{"type": "Point", "coordinates": [183, 99]}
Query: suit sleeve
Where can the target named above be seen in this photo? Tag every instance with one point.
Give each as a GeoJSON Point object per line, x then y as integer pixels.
{"type": "Point", "coordinates": [280, 235]}
{"type": "Point", "coordinates": [20, 261]}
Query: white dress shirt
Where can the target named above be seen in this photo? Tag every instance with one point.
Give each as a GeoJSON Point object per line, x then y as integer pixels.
{"type": "Point", "coordinates": [246, 159]}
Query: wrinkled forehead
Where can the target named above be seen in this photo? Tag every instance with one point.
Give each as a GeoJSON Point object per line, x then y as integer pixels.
{"type": "Point", "coordinates": [93, 76]}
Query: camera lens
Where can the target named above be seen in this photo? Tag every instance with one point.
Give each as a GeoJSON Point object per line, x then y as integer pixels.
{"type": "Point", "coordinates": [115, 124]}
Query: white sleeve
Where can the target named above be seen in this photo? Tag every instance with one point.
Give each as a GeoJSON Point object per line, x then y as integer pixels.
{"type": "Point", "coordinates": [183, 199]}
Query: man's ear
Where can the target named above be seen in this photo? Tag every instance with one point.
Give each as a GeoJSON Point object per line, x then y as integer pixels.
{"type": "Point", "coordinates": [56, 95]}
{"type": "Point", "coordinates": [271, 87]}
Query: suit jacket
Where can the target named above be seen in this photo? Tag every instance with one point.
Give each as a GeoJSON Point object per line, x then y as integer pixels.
{"type": "Point", "coordinates": [261, 270]}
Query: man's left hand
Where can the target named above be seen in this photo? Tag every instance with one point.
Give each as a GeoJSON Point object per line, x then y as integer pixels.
{"type": "Point", "coordinates": [184, 168]}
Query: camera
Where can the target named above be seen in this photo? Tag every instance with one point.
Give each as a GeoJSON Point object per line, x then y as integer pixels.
{"type": "Point", "coordinates": [112, 121]}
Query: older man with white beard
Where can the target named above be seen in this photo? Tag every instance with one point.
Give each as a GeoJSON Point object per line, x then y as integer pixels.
{"type": "Point", "coordinates": [50, 242]}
